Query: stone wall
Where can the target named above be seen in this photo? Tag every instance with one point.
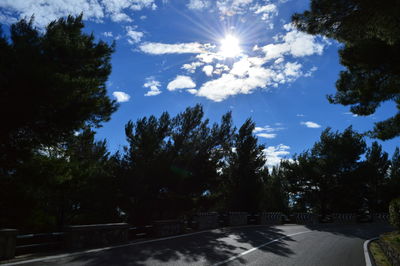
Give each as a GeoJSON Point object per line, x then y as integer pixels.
{"type": "Point", "coordinates": [8, 239]}
{"type": "Point", "coordinates": [97, 235]}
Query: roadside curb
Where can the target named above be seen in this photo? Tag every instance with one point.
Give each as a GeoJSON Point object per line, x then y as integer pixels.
{"type": "Point", "coordinates": [368, 261]}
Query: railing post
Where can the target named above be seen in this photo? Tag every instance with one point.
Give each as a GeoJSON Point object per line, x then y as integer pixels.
{"type": "Point", "coordinates": [8, 239]}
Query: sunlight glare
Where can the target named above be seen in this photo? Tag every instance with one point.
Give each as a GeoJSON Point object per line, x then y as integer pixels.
{"type": "Point", "coordinates": [230, 46]}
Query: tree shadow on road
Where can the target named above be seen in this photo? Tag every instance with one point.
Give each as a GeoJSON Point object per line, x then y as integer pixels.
{"type": "Point", "coordinates": [359, 230]}
{"type": "Point", "coordinates": [204, 248]}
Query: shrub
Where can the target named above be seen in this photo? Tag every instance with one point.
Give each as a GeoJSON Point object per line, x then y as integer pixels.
{"type": "Point", "coordinates": [394, 212]}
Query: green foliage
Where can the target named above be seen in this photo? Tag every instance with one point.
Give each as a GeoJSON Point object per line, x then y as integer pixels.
{"type": "Point", "coordinates": [171, 164]}
{"type": "Point", "coordinates": [374, 170]}
{"type": "Point", "coordinates": [243, 178]}
{"type": "Point", "coordinates": [369, 32]}
{"type": "Point", "coordinates": [276, 197]}
{"type": "Point", "coordinates": [58, 77]}
{"type": "Point", "coordinates": [325, 178]}
{"type": "Point", "coordinates": [394, 213]}
{"type": "Point", "coordinates": [59, 185]}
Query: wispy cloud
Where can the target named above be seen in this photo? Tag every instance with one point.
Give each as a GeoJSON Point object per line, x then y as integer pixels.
{"type": "Point", "coordinates": [153, 85]}
{"type": "Point", "coordinates": [310, 124]}
{"type": "Point", "coordinates": [179, 48]}
{"type": "Point", "coordinates": [267, 131]}
{"type": "Point", "coordinates": [268, 128]}
{"type": "Point", "coordinates": [267, 135]}
{"type": "Point", "coordinates": [121, 96]}
{"type": "Point", "coordinates": [350, 113]}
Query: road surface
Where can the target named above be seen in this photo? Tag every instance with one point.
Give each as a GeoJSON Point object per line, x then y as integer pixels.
{"type": "Point", "coordinates": [336, 245]}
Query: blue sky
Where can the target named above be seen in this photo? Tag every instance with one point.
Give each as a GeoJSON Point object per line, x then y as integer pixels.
{"type": "Point", "coordinates": [242, 56]}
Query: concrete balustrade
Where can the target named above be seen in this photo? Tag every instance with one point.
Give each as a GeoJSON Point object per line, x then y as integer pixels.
{"type": "Point", "coordinates": [8, 238]}
{"type": "Point", "coordinates": [344, 218]}
{"type": "Point", "coordinates": [168, 227]}
{"type": "Point", "coordinates": [380, 217]}
{"type": "Point", "coordinates": [97, 235]}
{"type": "Point", "coordinates": [206, 220]}
{"type": "Point", "coordinates": [271, 218]}
{"type": "Point", "coordinates": [237, 218]}
{"type": "Point", "coordinates": [305, 218]}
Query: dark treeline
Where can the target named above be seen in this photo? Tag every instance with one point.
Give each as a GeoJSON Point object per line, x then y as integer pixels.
{"type": "Point", "coordinates": [170, 167]}
{"type": "Point", "coordinates": [176, 166]}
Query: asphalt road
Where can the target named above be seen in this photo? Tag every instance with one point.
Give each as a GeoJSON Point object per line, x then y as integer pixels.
{"type": "Point", "coordinates": [336, 245]}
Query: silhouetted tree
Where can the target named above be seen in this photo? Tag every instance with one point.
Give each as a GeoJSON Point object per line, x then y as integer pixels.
{"type": "Point", "coordinates": [369, 32]}
{"type": "Point", "coordinates": [393, 182]}
{"type": "Point", "coordinates": [324, 178]}
{"type": "Point", "coordinates": [276, 194]}
{"type": "Point", "coordinates": [58, 77]}
{"type": "Point", "coordinates": [145, 166]}
{"type": "Point", "coordinates": [375, 169]}
{"type": "Point", "coordinates": [244, 176]}
{"type": "Point", "coordinates": [68, 183]}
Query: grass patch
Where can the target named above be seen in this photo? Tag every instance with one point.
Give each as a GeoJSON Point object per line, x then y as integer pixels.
{"type": "Point", "coordinates": [393, 239]}
{"type": "Point", "coordinates": [378, 255]}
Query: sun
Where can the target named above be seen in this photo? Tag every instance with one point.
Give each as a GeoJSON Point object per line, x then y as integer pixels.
{"type": "Point", "coordinates": [230, 46]}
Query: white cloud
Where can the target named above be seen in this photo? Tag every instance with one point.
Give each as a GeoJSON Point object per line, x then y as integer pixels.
{"type": "Point", "coordinates": [310, 124]}
{"type": "Point", "coordinates": [268, 128]}
{"type": "Point", "coordinates": [300, 115]}
{"type": "Point", "coordinates": [293, 69]}
{"type": "Point", "coordinates": [121, 96]}
{"type": "Point", "coordinates": [232, 7]}
{"type": "Point", "coordinates": [246, 75]}
{"type": "Point", "coordinates": [269, 8]}
{"type": "Point", "coordinates": [181, 82]}
{"type": "Point", "coordinates": [108, 34]}
{"type": "Point", "coordinates": [179, 48]}
{"type": "Point", "coordinates": [46, 11]}
{"type": "Point", "coordinates": [133, 36]}
{"type": "Point", "coordinates": [153, 85]}
{"type": "Point", "coordinates": [267, 135]}
{"type": "Point", "coordinates": [192, 91]}
{"type": "Point", "coordinates": [192, 66]}
{"type": "Point", "coordinates": [198, 4]}
{"type": "Point", "coordinates": [266, 131]}
{"type": "Point", "coordinates": [311, 71]}
{"type": "Point", "coordinates": [268, 12]}
{"type": "Point", "coordinates": [208, 70]}
{"type": "Point", "coordinates": [295, 43]}
{"type": "Point", "coordinates": [350, 113]}
{"type": "Point", "coordinates": [220, 68]}
{"type": "Point", "coordinates": [274, 154]}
